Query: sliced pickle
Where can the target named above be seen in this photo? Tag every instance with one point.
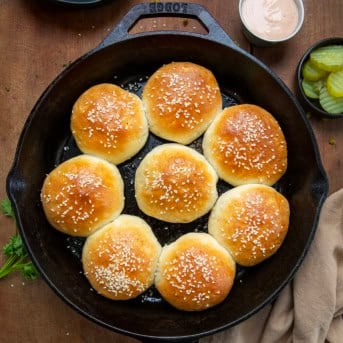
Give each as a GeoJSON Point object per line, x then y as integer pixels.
{"type": "Point", "coordinates": [317, 85]}
{"type": "Point", "coordinates": [335, 84]}
{"type": "Point", "coordinates": [329, 103]}
{"type": "Point", "coordinates": [312, 73]}
{"type": "Point", "coordinates": [329, 58]}
{"type": "Point", "coordinates": [312, 88]}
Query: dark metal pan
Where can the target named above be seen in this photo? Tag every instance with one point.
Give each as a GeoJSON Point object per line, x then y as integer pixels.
{"type": "Point", "coordinates": [128, 59]}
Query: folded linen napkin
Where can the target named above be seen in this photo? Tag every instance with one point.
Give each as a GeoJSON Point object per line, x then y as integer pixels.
{"type": "Point", "coordinates": [310, 308]}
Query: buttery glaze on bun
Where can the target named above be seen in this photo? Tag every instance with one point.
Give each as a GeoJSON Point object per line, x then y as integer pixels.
{"type": "Point", "coordinates": [82, 194]}
{"type": "Point", "coordinates": [109, 122]}
{"type": "Point", "coordinates": [245, 145]}
{"type": "Point", "coordinates": [120, 259]}
{"type": "Point", "coordinates": [195, 273]}
{"type": "Point", "coordinates": [181, 99]}
{"type": "Point", "coordinates": [175, 184]}
{"type": "Point", "coordinates": [251, 222]}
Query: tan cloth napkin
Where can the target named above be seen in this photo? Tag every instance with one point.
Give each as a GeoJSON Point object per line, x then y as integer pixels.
{"type": "Point", "coordinates": [310, 308]}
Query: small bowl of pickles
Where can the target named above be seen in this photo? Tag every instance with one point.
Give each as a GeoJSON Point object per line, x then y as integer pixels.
{"type": "Point", "coordinates": [320, 78]}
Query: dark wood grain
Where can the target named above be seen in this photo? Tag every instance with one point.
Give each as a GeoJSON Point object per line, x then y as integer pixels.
{"type": "Point", "coordinates": [37, 39]}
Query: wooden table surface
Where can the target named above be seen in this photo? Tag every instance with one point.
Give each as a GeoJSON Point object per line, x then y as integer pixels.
{"type": "Point", "coordinates": [36, 40]}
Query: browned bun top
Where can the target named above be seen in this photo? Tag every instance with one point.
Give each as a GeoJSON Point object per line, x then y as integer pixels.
{"type": "Point", "coordinates": [82, 194]}
{"type": "Point", "coordinates": [245, 144]}
{"type": "Point", "coordinates": [109, 122]}
{"type": "Point", "coordinates": [251, 221]}
{"type": "Point", "coordinates": [181, 99]}
{"type": "Point", "coordinates": [195, 272]}
{"type": "Point", "coordinates": [175, 184]}
{"type": "Point", "coordinates": [120, 259]}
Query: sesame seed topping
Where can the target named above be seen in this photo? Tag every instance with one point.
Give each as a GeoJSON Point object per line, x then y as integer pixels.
{"type": "Point", "coordinates": [253, 224]}
{"type": "Point", "coordinates": [123, 265]}
{"type": "Point", "coordinates": [248, 144]}
{"type": "Point", "coordinates": [74, 198]}
{"type": "Point", "coordinates": [179, 185]}
{"type": "Point", "coordinates": [106, 116]}
{"type": "Point", "coordinates": [177, 99]}
{"type": "Point", "coordinates": [192, 274]}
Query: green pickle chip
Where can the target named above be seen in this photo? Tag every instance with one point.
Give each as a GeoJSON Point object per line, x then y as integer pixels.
{"type": "Point", "coordinates": [323, 77]}
{"type": "Point", "coordinates": [312, 88]}
{"type": "Point", "coordinates": [312, 73]}
{"type": "Point", "coordinates": [335, 84]}
{"type": "Point", "coordinates": [329, 103]}
{"type": "Point", "coordinates": [329, 58]}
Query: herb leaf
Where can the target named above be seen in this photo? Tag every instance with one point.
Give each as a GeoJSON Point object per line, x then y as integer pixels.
{"type": "Point", "coordinates": [14, 247]}
{"type": "Point", "coordinates": [29, 271]}
{"type": "Point", "coordinates": [14, 250]}
{"type": "Point", "coordinates": [6, 208]}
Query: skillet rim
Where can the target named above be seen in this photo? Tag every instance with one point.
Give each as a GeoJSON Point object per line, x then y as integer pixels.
{"type": "Point", "coordinates": [11, 179]}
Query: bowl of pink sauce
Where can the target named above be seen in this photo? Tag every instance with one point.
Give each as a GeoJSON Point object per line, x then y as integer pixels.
{"type": "Point", "coordinates": [267, 22]}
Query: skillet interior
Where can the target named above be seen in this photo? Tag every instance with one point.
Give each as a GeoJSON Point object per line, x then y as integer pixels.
{"type": "Point", "coordinates": [46, 141]}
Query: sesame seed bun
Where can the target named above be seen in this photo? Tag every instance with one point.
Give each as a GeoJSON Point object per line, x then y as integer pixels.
{"type": "Point", "coordinates": [175, 184]}
{"type": "Point", "coordinates": [181, 99]}
{"type": "Point", "coordinates": [195, 273]}
{"type": "Point", "coordinates": [245, 145]}
{"type": "Point", "coordinates": [82, 194]}
{"type": "Point", "coordinates": [109, 122]}
{"type": "Point", "coordinates": [120, 259]}
{"type": "Point", "coordinates": [251, 222]}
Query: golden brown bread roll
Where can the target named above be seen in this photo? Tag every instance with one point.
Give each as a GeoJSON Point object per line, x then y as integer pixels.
{"type": "Point", "coordinates": [120, 259]}
{"type": "Point", "coordinates": [175, 184]}
{"type": "Point", "coordinates": [82, 194]}
{"type": "Point", "coordinates": [245, 145]}
{"type": "Point", "coordinates": [181, 99]}
{"type": "Point", "coordinates": [195, 272]}
{"type": "Point", "coordinates": [251, 222]}
{"type": "Point", "coordinates": [109, 122]}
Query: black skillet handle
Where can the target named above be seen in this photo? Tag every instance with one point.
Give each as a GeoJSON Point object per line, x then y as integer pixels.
{"type": "Point", "coordinates": [175, 9]}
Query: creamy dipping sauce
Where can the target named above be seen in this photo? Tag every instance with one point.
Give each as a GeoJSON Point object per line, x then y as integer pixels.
{"type": "Point", "coordinates": [270, 19]}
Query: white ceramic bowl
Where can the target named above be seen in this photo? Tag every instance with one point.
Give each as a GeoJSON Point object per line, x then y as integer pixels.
{"type": "Point", "coordinates": [260, 41]}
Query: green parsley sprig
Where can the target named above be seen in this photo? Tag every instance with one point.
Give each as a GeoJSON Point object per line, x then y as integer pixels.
{"type": "Point", "coordinates": [14, 250]}
{"type": "Point", "coordinates": [6, 208]}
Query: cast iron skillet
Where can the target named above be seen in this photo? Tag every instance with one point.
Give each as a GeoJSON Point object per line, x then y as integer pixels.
{"type": "Point", "coordinates": [127, 60]}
